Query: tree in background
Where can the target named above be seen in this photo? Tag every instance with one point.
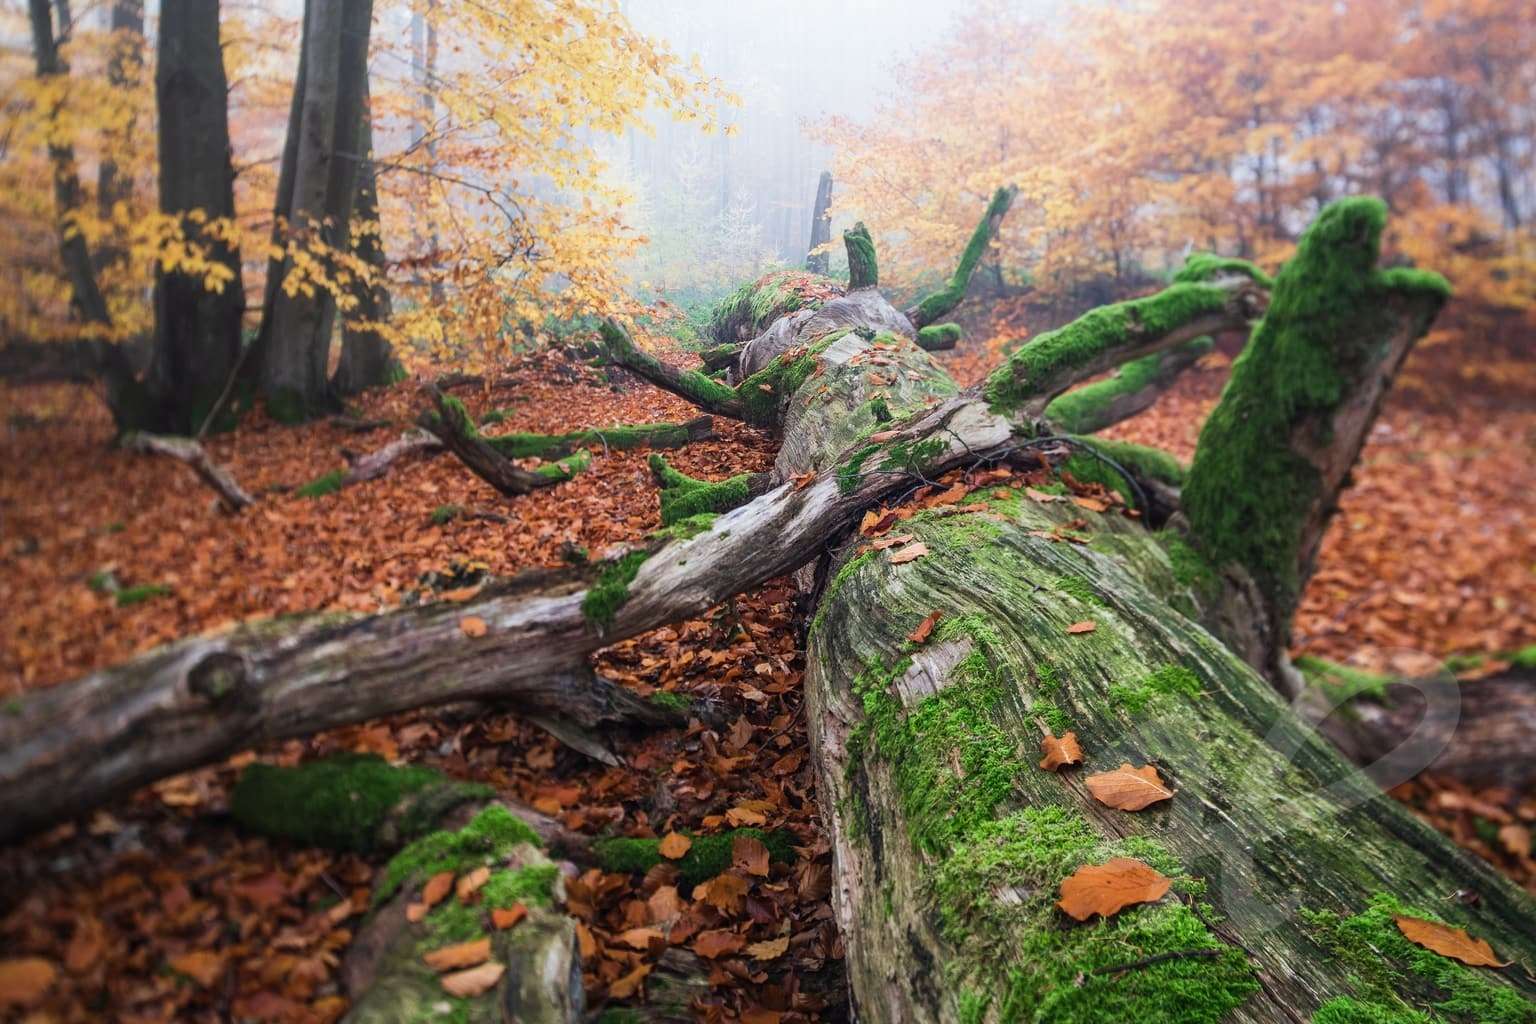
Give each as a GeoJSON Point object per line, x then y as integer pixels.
{"type": "Point", "coordinates": [1141, 130]}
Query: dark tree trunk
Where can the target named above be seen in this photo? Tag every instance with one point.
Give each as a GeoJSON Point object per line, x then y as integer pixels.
{"type": "Point", "coordinates": [123, 68]}
{"type": "Point", "coordinates": [821, 226]}
{"type": "Point", "coordinates": [367, 358]}
{"type": "Point", "coordinates": [197, 327]}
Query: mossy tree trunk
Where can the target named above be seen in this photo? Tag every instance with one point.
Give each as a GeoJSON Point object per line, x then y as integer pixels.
{"type": "Point", "coordinates": [950, 844]}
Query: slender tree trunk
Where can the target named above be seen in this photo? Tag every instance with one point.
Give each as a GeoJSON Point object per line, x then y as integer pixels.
{"type": "Point", "coordinates": [123, 69]}
{"type": "Point", "coordinates": [85, 292]}
{"type": "Point", "coordinates": [197, 327]}
{"type": "Point", "coordinates": [297, 327]}
{"type": "Point", "coordinates": [821, 226]}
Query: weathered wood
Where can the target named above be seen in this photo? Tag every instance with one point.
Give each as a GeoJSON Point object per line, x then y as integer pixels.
{"type": "Point", "coordinates": [821, 225]}
{"type": "Point", "coordinates": [232, 497]}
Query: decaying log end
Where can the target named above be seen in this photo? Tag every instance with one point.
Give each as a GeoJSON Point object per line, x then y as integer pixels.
{"type": "Point", "coordinates": [863, 269]}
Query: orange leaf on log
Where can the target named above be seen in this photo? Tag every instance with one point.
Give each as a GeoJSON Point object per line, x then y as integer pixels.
{"type": "Point", "coordinates": [674, 845]}
{"type": "Point", "coordinates": [473, 982]}
{"type": "Point", "coordinates": [749, 855]}
{"type": "Point", "coordinates": [1127, 788]}
{"type": "Point", "coordinates": [1060, 751]}
{"type": "Point", "coordinates": [461, 954]}
{"type": "Point", "coordinates": [924, 629]}
{"type": "Point", "coordinates": [1107, 889]}
{"type": "Point", "coordinates": [436, 888]}
{"type": "Point", "coordinates": [507, 917]}
{"type": "Point", "coordinates": [472, 626]}
{"type": "Point", "coordinates": [1447, 941]}
{"type": "Point", "coordinates": [1086, 626]}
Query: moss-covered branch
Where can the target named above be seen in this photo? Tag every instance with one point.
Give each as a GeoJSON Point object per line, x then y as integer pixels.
{"type": "Point", "coordinates": [700, 389]}
{"type": "Point", "coordinates": [938, 337]}
{"type": "Point", "coordinates": [618, 438]}
{"type": "Point", "coordinates": [1130, 390]}
{"type": "Point", "coordinates": [863, 270]}
{"type": "Point", "coordinates": [947, 298]}
{"type": "Point", "coordinates": [1110, 336]}
{"type": "Point", "coordinates": [683, 496]}
{"type": "Point", "coordinates": [1275, 452]}
{"type": "Point", "coordinates": [453, 426]}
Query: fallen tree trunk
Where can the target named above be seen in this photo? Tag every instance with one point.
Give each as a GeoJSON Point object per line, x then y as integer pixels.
{"type": "Point", "coordinates": [950, 844]}
{"type": "Point", "coordinates": [232, 497]}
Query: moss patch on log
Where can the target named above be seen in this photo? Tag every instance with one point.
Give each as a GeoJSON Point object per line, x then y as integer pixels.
{"type": "Point", "coordinates": [607, 595]}
{"type": "Point", "coordinates": [684, 497]}
{"type": "Point", "coordinates": [1394, 976]}
{"type": "Point", "coordinates": [1202, 266]}
{"type": "Point", "coordinates": [707, 857]}
{"type": "Point", "coordinates": [345, 802]}
{"type": "Point", "coordinates": [1138, 459]}
{"type": "Point", "coordinates": [621, 438]}
{"type": "Point", "coordinates": [452, 921]}
{"type": "Point", "coordinates": [863, 269]}
{"type": "Point", "coordinates": [1080, 410]}
{"type": "Point", "coordinates": [749, 310]}
{"type": "Point", "coordinates": [938, 337]}
{"type": "Point", "coordinates": [127, 597]}
{"type": "Point", "coordinates": [488, 839]}
{"type": "Point", "coordinates": [1342, 683]}
{"type": "Point", "coordinates": [320, 486]}
{"type": "Point", "coordinates": [953, 292]}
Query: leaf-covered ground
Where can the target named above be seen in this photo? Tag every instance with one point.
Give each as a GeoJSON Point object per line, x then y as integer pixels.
{"type": "Point", "coordinates": [157, 908]}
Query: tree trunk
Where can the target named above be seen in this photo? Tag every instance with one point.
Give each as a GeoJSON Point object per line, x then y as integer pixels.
{"type": "Point", "coordinates": [1287, 866]}
{"type": "Point", "coordinates": [367, 358]}
{"type": "Point", "coordinates": [85, 292]}
{"type": "Point", "coordinates": [197, 327]}
{"type": "Point", "coordinates": [821, 225]}
{"type": "Point", "coordinates": [296, 329]}
{"type": "Point", "coordinates": [123, 69]}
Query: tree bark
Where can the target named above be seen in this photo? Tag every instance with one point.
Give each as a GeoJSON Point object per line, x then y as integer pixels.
{"type": "Point", "coordinates": [296, 330]}
{"type": "Point", "coordinates": [821, 225]}
{"type": "Point", "coordinates": [232, 496]}
{"type": "Point", "coordinates": [197, 327]}
{"type": "Point", "coordinates": [367, 357]}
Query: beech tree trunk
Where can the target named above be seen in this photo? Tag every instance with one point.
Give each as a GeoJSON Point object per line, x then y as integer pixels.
{"type": "Point", "coordinates": [821, 225]}
{"type": "Point", "coordinates": [197, 329]}
{"type": "Point", "coordinates": [1286, 864]}
{"type": "Point", "coordinates": [329, 98]}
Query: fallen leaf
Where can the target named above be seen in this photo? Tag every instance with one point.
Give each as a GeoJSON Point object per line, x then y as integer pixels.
{"type": "Point", "coordinates": [1060, 751]}
{"type": "Point", "coordinates": [925, 628]}
{"type": "Point", "coordinates": [641, 938]}
{"type": "Point", "coordinates": [84, 946]}
{"type": "Point", "coordinates": [1447, 941]}
{"type": "Point", "coordinates": [758, 1015]}
{"type": "Point", "coordinates": [718, 943]}
{"type": "Point", "coordinates": [473, 982]}
{"type": "Point", "coordinates": [1107, 889]}
{"type": "Point", "coordinates": [1043, 496]}
{"type": "Point", "coordinates": [1516, 839]}
{"type": "Point", "coordinates": [1091, 504]}
{"type": "Point", "coordinates": [739, 816]}
{"type": "Point", "coordinates": [769, 949]}
{"type": "Point", "coordinates": [202, 966]}
{"type": "Point", "coordinates": [911, 553]}
{"type": "Point", "coordinates": [724, 892]}
{"type": "Point", "coordinates": [750, 856]}
{"type": "Point", "coordinates": [416, 911]}
{"type": "Point", "coordinates": [460, 954]}
{"type": "Point", "coordinates": [882, 436]}
{"type": "Point", "coordinates": [890, 540]}
{"type": "Point", "coordinates": [436, 888]}
{"type": "Point", "coordinates": [469, 886]}
{"type": "Point", "coordinates": [674, 845]}
{"type": "Point", "coordinates": [458, 595]}
{"type": "Point", "coordinates": [26, 980]}
{"type": "Point", "coordinates": [664, 905]}
{"type": "Point", "coordinates": [629, 984]}
{"type": "Point", "coordinates": [472, 626]}
{"type": "Point", "coordinates": [508, 917]}
{"type": "Point", "coordinates": [1127, 788]}
{"type": "Point", "coordinates": [1086, 626]}
{"type": "Point", "coordinates": [803, 479]}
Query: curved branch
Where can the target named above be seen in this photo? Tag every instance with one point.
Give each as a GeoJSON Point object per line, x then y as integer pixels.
{"type": "Point", "coordinates": [1131, 390]}
{"type": "Point", "coordinates": [1105, 338]}
{"type": "Point", "coordinates": [947, 298]}
{"type": "Point", "coordinates": [232, 497]}
{"type": "Point", "coordinates": [453, 427]}
{"type": "Point", "coordinates": [705, 392]}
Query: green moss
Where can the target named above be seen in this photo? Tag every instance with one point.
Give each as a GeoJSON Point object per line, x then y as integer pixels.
{"type": "Point", "coordinates": [499, 416]}
{"type": "Point", "coordinates": [288, 406]}
{"type": "Point", "coordinates": [1166, 681]}
{"type": "Point", "coordinates": [863, 270]}
{"type": "Point", "coordinates": [330, 483]}
{"type": "Point", "coordinates": [606, 596]}
{"type": "Point", "coordinates": [950, 296]}
{"type": "Point", "coordinates": [915, 457]}
{"type": "Point", "coordinates": [1190, 569]}
{"type": "Point", "coordinates": [445, 514]}
{"type": "Point", "coordinates": [1078, 589]}
{"type": "Point", "coordinates": [1345, 1010]}
{"type": "Point", "coordinates": [618, 438]}
{"type": "Point", "coordinates": [1087, 338]}
{"type": "Point", "coordinates": [487, 839]}
{"type": "Point", "coordinates": [686, 498]}
{"type": "Point", "coordinates": [1137, 459]}
{"type": "Point", "coordinates": [706, 858]}
{"type": "Point", "coordinates": [848, 472]}
{"type": "Point", "coordinates": [1249, 490]}
{"type": "Point", "coordinates": [997, 891]}
{"type": "Point", "coordinates": [847, 572]}
{"type": "Point", "coordinates": [938, 337]}
{"type": "Point", "coordinates": [1082, 410]}
{"type": "Point", "coordinates": [129, 596]}
{"type": "Point", "coordinates": [1393, 975]}
{"type": "Point", "coordinates": [671, 701]}
{"type": "Point", "coordinates": [1341, 682]}
{"type": "Point", "coordinates": [343, 802]}
{"type": "Point", "coordinates": [452, 921]}
{"type": "Point", "coordinates": [1202, 266]}
{"type": "Point", "coordinates": [749, 310]}
{"type": "Point", "coordinates": [564, 469]}
{"type": "Point", "coordinates": [1524, 658]}
{"type": "Point", "coordinates": [690, 526]}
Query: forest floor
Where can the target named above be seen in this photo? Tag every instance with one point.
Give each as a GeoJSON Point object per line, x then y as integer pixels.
{"type": "Point", "coordinates": [158, 908]}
